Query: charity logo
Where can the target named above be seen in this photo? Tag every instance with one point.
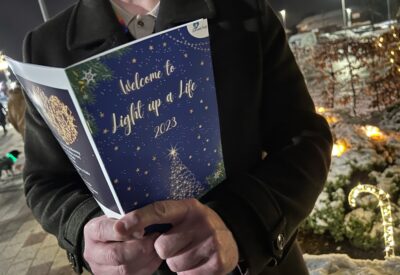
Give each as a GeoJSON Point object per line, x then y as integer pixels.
{"type": "Point", "coordinates": [196, 26]}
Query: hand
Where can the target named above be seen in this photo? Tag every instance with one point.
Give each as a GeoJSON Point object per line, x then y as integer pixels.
{"type": "Point", "coordinates": [110, 249]}
{"type": "Point", "coordinates": [198, 243]}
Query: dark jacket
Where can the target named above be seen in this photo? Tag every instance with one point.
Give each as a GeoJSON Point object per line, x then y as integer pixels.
{"type": "Point", "coordinates": [264, 106]}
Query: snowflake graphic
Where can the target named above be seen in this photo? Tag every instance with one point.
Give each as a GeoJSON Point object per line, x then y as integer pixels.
{"type": "Point", "coordinates": [89, 76]}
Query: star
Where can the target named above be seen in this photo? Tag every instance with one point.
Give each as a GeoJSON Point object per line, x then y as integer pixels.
{"type": "Point", "coordinates": [129, 188]}
{"type": "Point", "coordinates": [151, 47]}
{"type": "Point", "coordinates": [204, 149]}
{"type": "Point", "coordinates": [206, 108]}
{"type": "Point", "coordinates": [191, 111]}
{"type": "Point", "coordinates": [201, 101]}
{"type": "Point", "coordinates": [116, 148]}
{"type": "Point", "coordinates": [101, 114]}
{"type": "Point", "coordinates": [173, 152]}
{"type": "Point", "coordinates": [138, 148]}
{"type": "Point", "coordinates": [202, 63]}
{"type": "Point", "coordinates": [146, 172]}
{"type": "Point", "coordinates": [215, 150]}
{"type": "Point", "coordinates": [154, 158]}
{"type": "Point", "coordinates": [190, 157]}
{"type": "Point", "coordinates": [137, 170]}
{"type": "Point", "coordinates": [147, 195]}
{"type": "Point", "coordinates": [207, 140]}
{"type": "Point", "coordinates": [200, 126]}
{"type": "Point", "coordinates": [207, 79]}
{"type": "Point", "coordinates": [105, 131]}
{"type": "Point", "coordinates": [116, 181]}
{"type": "Point", "coordinates": [89, 76]}
{"type": "Point", "coordinates": [134, 61]}
{"type": "Point", "coordinates": [164, 44]}
{"type": "Point", "coordinates": [208, 164]}
{"type": "Point", "coordinates": [185, 55]}
{"type": "Point", "coordinates": [198, 137]}
{"type": "Point", "coordinates": [136, 203]}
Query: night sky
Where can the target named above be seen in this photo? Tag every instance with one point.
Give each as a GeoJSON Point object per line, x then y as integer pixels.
{"type": "Point", "coordinates": [19, 16]}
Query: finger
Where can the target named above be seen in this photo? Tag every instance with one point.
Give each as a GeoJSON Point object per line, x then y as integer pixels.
{"type": "Point", "coordinates": [121, 228]}
{"type": "Point", "coordinates": [131, 268]}
{"type": "Point", "coordinates": [177, 241]}
{"type": "Point", "coordinates": [213, 266]}
{"type": "Point", "coordinates": [121, 253]}
{"type": "Point", "coordinates": [162, 212]}
{"type": "Point", "coordinates": [194, 257]}
{"type": "Point", "coordinates": [102, 230]}
{"type": "Point", "coordinates": [112, 270]}
{"type": "Point", "coordinates": [150, 267]}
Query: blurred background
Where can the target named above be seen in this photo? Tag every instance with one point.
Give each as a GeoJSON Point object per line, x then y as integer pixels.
{"type": "Point", "coordinates": [349, 53]}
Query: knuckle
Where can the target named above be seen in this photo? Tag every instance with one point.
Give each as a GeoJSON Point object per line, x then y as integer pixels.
{"type": "Point", "coordinates": [193, 203]}
{"type": "Point", "coordinates": [89, 228]}
{"type": "Point", "coordinates": [159, 208]}
{"type": "Point", "coordinates": [122, 270]}
{"type": "Point", "coordinates": [218, 264]}
{"type": "Point", "coordinates": [135, 216]}
{"type": "Point", "coordinates": [98, 231]}
{"type": "Point", "coordinates": [87, 255]}
{"type": "Point", "coordinates": [95, 269]}
{"type": "Point", "coordinates": [146, 249]}
{"type": "Point", "coordinates": [213, 245]}
{"type": "Point", "coordinates": [113, 256]}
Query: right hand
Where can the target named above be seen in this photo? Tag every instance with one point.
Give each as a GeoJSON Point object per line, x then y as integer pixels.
{"type": "Point", "coordinates": [112, 250]}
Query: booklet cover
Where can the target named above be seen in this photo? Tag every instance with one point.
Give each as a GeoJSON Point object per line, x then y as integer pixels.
{"type": "Point", "coordinates": [138, 122]}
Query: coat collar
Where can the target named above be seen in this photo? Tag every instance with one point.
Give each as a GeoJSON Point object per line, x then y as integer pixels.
{"type": "Point", "coordinates": [93, 22]}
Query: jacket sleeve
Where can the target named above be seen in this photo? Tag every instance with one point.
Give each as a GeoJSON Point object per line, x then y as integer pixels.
{"type": "Point", "coordinates": [54, 191]}
{"type": "Point", "coordinates": [264, 208]}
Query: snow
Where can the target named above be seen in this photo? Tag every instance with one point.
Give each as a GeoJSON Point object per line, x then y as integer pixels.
{"type": "Point", "coordinates": [341, 264]}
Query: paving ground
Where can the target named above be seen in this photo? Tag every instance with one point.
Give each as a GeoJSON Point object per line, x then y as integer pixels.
{"type": "Point", "coordinates": [24, 247]}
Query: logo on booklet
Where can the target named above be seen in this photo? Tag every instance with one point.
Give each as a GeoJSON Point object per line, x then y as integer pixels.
{"type": "Point", "coordinates": [196, 26]}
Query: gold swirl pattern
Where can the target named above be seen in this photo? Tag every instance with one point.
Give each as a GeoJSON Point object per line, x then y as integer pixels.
{"type": "Point", "coordinates": [62, 119]}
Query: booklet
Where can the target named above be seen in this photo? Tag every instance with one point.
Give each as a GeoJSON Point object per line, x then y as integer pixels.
{"type": "Point", "coordinates": [139, 122]}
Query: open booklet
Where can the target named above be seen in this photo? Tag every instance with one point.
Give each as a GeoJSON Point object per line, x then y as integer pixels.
{"type": "Point", "coordinates": [138, 122]}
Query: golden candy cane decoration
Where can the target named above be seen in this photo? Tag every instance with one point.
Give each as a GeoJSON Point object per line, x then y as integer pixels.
{"type": "Point", "coordinates": [386, 211]}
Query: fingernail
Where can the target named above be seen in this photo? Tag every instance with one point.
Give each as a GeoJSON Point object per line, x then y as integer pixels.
{"type": "Point", "coordinates": [137, 235]}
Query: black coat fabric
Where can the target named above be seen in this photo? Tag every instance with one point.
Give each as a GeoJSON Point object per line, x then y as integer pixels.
{"type": "Point", "coordinates": [264, 106]}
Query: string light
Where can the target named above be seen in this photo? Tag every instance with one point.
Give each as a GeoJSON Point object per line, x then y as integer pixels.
{"type": "Point", "coordinates": [339, 148]}
{"type": "Point", "coordinates": [373, 133]}
{"type": "Point", "coordinates": [321, 110]}
{"type": "Point", "coordinates": [386, 211]}
{"type": "Point", "coordinates": [201, 46]}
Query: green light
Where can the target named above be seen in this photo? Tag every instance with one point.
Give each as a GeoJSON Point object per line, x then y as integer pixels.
{"type": "Point", "coordinates": [11, 156]}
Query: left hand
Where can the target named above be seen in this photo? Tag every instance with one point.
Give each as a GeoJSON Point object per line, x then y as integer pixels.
{"type": "Point", "coordinates": [198, 243]}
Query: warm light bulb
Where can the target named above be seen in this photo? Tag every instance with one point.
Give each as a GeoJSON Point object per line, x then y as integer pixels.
{"type": "Point", "coordinates": [339, 148]}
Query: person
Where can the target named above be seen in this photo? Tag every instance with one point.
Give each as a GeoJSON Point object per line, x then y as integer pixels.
{"type": "Point", "coordinates": [16, 110]}
{"type": "Point", "coordinates": [3, 121]}
{"type": "Point", "coordinates": [276, 148]}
